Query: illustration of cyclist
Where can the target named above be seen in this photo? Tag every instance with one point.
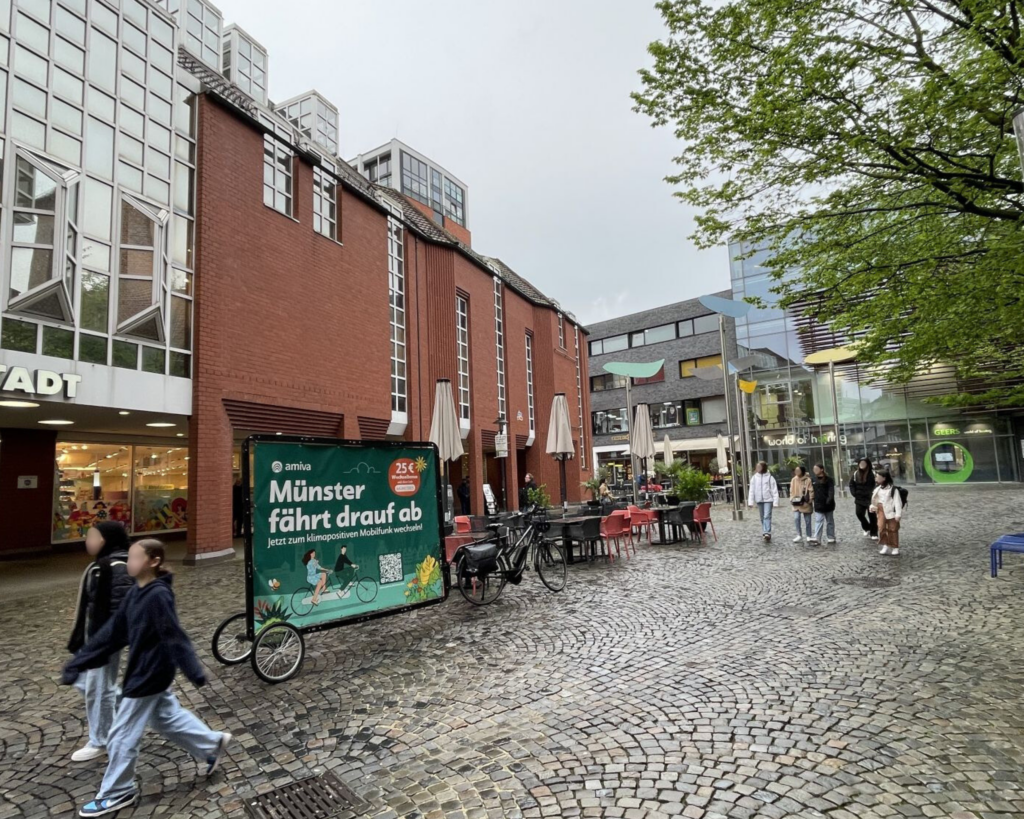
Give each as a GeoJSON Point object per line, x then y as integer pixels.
{"type": "Point", "coordinates": [316, 575]}
{"type": "Point", "coordinates": [345, 570]}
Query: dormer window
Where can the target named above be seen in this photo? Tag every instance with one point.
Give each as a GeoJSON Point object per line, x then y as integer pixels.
{"type": "Point", "coordinates": [245, 63]}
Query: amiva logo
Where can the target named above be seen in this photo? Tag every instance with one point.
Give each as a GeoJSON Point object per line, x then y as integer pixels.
{"type": "Point", "coordinates": [279, 467]}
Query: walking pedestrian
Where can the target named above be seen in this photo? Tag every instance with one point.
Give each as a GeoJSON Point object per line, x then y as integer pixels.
{"type": "Point", "coordinates": [887, 504]}
{"type": "Point", "coordinates": [801, 495]}
{"type": "Point", "coordinates": [824, 502]}
{"type": "Point", "coordinates": [157, 646]}
{"type": "Point", "coordinates": [105, 583]}
{"type": "Point", "coordinates": [463, 493]}
{"type": "Point", "coordinates": [529, 484]}
{"type": "Point", "coordinates": [764, 491]}
{"type": "Point", "coordinates": [862, 487]}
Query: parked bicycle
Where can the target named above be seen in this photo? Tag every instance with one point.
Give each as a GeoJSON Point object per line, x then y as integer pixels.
{"type": "Point", "coordinates": [483, 568]}
{"type": "Point", "coordinates": [302, 598]}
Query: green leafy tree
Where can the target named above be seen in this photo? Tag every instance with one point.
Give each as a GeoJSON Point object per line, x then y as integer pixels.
{"type": "Point", "coordinates": [868, 144]}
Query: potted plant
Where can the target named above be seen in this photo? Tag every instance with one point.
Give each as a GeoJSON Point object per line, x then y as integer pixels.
{"type": "Point", "coordinates": [539, 496]}
{"type": "Point", "coordinates": [594, 484]}
{"type": "Point", "coordinates": [689, 484]}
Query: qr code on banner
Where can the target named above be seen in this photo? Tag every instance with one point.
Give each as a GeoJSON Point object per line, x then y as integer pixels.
{"type": "Point", "coordinates": [391, 569]}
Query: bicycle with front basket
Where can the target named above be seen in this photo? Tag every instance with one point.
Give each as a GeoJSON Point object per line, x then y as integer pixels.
{"type": "Point", "coordinates": [483, 568]}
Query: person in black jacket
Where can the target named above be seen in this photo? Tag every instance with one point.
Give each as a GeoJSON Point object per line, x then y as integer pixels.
{"type": "Point", "coordinates": [157, 646]}
{"type": "Point", "coordinates": [862, 486]}
{"type": "Point", "coordinates": [104, 585]}
{"type": "Point", "coordinates": [824, 506]}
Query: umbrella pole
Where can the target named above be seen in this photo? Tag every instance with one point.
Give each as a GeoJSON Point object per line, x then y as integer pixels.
{"type": "Point", "coordinates": [564, 503]}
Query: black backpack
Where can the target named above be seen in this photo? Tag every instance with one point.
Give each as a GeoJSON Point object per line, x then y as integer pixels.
{"type": "Point", "coordinates": [904, 494]}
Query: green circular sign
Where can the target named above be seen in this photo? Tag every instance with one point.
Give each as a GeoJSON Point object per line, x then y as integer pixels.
{"type": "Point", "coordinates": [959, 476]}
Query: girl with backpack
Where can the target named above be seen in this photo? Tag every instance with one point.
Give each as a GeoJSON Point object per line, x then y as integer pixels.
{"type": "Point", "coordinates": [887, 504]}
{"type": "Point", "coordinates": [862, 487]}
{"type": "Point", "coordinates": [764, 491]}
{"type": "Point", "coordinates": [105, 583]}
{"type": "Point", "coordinates": [157, 646]}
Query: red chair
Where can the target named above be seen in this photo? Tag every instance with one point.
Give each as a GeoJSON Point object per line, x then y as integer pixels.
{"type": "Point", "coordinates": [610, 533]}
{"type": "Point", "coordinates": [640, 520]}
{"type": "Point", "coordinates": [462, 524]}
{"type": "Point", "coordinates": [618, 529]}
{"type": "Point", "coordinates": [701, 515]}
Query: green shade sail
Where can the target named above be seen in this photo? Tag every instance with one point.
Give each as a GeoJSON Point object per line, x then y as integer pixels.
{"type": "Point", "coordinates": [634, 369]}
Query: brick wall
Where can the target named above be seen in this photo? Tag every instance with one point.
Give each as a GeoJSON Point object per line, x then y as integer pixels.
{"type": "Point", "coordinates": [283, 316]}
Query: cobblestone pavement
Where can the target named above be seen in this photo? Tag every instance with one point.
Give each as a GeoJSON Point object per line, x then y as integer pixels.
{"type": "Point", "coordinates": [731, 680]}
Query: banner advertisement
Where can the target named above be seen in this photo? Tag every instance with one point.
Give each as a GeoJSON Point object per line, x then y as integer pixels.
{"type": "Point", "coordinates": [342, 530]}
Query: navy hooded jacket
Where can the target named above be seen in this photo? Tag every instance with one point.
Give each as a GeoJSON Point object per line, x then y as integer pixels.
{"type": "Point", "coordinates": [157, 645]}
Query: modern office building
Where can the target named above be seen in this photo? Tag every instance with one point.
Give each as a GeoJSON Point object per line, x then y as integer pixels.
{"type": "Point", "coordinates": [791, 412]}
{"type": "Point", "coordinates": [439, 194]}
{"type": "Point", "coordinates": [689, 410]}
{"type": "Point", "coordinates": [183, 263]}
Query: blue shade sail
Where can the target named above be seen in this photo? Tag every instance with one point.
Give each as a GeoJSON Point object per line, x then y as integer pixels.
{"type": "Point", "coordinates": [727, 307]}
{"type": "Point", "coordinates": [632, 369]}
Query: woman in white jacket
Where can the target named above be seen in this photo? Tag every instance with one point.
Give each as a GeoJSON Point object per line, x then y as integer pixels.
{"type": "Point", "coordinates": [887, 505]}
{"type": "Point", "coordinates": [764, 491]}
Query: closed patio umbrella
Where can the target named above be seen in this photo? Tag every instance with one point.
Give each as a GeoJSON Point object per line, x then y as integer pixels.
{"type": "Point", "coordinates": [668, 452]}
{"type": "Point", "coordinates": [444, 425]}
{"type": "Point", "coordinates": [723, 458]}
{"type": "Point", "coordinates": [560, 444]}
{"type": "Point", "coordinates": [643, 436]}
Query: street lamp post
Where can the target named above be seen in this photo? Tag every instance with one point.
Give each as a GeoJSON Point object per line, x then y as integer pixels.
{"type": "Point", "coordinates": [732, 309]}
{"type": "Point", "coordinates": [833, 356]}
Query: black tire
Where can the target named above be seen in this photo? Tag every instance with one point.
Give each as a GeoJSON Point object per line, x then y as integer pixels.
{"type": "Point", "coordinates": [298, 607]}
{"type": "Point", "coordinates": [366, 589]}
{"type": "Point", "coordinates": [549, 561]}
{"type": "Point", "coordinates": [480, 590]}
{"type": "Point", "coordinates": [230, 645]}
{"type": "Point", "coordinates": [277, 653]}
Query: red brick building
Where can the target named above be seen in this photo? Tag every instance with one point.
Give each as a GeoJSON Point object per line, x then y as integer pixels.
{"type": "Point", "coordinates": [294, 330]}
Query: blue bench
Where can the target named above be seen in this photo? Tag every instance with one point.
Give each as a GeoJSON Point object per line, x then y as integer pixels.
{"type": "Point", "coordinates": [1007, 543]}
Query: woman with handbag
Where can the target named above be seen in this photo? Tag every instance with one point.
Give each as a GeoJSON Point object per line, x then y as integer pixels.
{"type": "Point", "coordinates": [801, 495]}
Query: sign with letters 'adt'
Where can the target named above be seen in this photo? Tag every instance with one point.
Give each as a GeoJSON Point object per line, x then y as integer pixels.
{"type": "Point", "coordinates": [342, 530]}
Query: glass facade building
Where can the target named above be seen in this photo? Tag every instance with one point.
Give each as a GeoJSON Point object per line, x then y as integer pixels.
{"type": "Point", "coordinates": [790, 414]}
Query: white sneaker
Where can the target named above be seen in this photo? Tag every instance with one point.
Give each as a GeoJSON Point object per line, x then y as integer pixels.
{"type": "Point", "coordinates": [831, 540]}
{"type": "Point", "coordinates": [797, 539]}
{"type": "Point", "coordinates": [866, 534]}
{"type": "Point", "coordinates": [875, 538]}
{"type": "Point", "coordinates": [884, 550]}
{"type": "Point", "coordinates": [87, 754]}
{"type": "Point", "coordinates": [895, 552]}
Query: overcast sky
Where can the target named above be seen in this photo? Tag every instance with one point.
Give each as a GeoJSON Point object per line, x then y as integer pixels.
{"type": "Point", "coordinates": [528, 103]}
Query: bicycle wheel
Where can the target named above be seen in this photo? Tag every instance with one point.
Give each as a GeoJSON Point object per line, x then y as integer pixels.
{"type": "Point", "coordinates": [302, 601]}
{"type": "Point", "coordinates": [230, 645]}
{"type": "Point", "coordinates": [480, 590]}
{"type": "Point", "coordinates": [549, 560]}
{"type": "Point", "coordinates": [277, 653]}
{"type": "Point", "coordinates": [366, 589]}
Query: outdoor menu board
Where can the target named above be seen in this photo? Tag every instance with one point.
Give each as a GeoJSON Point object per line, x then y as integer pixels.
{"type": "Point", "coordinates": [341, 530]}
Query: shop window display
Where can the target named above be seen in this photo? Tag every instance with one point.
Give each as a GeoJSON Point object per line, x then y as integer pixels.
{"type": "Point", "coordinates": [161, 489]}
{"type": "Point", "coordinates": [143, 487]}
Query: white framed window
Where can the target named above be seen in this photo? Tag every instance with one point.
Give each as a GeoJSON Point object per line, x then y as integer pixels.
{"type": "Point", "coordinates": [579, 399]}
{"type": "Point", "coordinates": [378, 170]}
{"type": "Point", "coordinates": [415, 178]}
{"type": "Point", "coordinates": [142, 260]}
{"type": "Point", "coordinates": [454, 202]}
{"type": "Point", "coordinates": [44, 238]}
{"type": "Point", "coordinates": [561, 331]}
{"type": "Point", "coordinates": [462, 347]}
{"type": "Point", "coordinates": [499, 339]}
{"type": "Point", "coordinates": [277, 171]}
{"type": "Point", "coordinates": [396, 291]}
{"type": "Point", "coordinates": [325, 204]}
{"type": "Point", "coordinates": [245, 64]}
{"type": "Point", "coordinates": [529, 382]}
{"type": "Point", "coordinates": [203, 31]}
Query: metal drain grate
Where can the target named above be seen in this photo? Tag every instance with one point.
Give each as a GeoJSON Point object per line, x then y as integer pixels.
{"type": "Point", "coordinates": [319, 797]}
{"type": "Point", "coordinates": [867, 582]}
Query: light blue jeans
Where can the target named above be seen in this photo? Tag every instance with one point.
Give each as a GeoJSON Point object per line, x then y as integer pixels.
{"type": "Point", "coordinates": [99, 686]}
{"type": "Point", "coordinates": [765, 508]}
{"type": "Point", "coordinates": [806, 521]}
{"type": "Point", "coordinates": [164, 714]}
{"type": "Point", "coordinates": [821, 520]}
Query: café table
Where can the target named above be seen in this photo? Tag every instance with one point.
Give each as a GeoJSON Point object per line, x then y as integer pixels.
{"type": "Point", "coordinates": [663, 513]}
{"type": "Point", "coordinates": [564, 525]}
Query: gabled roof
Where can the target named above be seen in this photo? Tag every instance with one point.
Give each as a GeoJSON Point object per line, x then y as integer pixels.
{"type": "Point", "coordinates": [413, 217]}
